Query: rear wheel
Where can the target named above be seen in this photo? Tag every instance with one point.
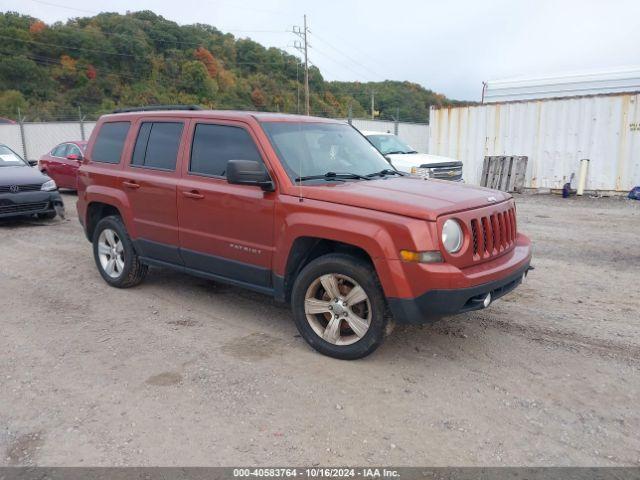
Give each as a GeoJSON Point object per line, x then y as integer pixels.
{"type": "Point", "coordinates": [339, 306]}
{"type": "Point", "coordinates": [114, 254]}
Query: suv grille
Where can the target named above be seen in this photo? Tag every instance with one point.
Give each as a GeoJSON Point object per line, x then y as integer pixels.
{"type": "Point", "coordinates": [21, 188]}
{"type": "Point", "coordinates": [23, 207]}
{"type": "Point", "coordinates": [449, 172]}
{"type": "Point", "coordinates": [494, 233]}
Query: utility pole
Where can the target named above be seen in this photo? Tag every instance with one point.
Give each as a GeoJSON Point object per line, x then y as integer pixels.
{"type": "Point", "coordinates": [373, 101]}
{"type": "Point", "coordinates": [304, 49]}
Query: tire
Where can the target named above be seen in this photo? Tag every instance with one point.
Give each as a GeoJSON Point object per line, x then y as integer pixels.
{"type": "Point", "coordinates": [336, 328]}
{"type": "Point", "coordinates": [48, 215]}
{"type": "Point", "coordinates": [119, 266]}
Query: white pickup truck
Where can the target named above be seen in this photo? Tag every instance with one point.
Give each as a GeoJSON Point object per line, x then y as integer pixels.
{"type": "Point", "coordinates": [406, 159]}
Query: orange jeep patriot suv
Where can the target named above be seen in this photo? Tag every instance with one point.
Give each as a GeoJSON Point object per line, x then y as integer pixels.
{"type": "Point", "coordinates": [304, 209]}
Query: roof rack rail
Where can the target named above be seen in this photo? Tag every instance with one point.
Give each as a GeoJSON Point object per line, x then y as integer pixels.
{"type": "Point", "coordinates": [154, 108]}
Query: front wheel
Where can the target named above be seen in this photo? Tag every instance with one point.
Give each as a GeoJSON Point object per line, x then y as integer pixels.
{"type": "Point", "coordinates": [115, 257]}
{"type": "Point", "coordinates": [339, 307]}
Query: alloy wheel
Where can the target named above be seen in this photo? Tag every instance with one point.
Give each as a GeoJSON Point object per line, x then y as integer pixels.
{"type": "Point", "coordinates": [111, 253]}
{"type": "Point", "coordinates": [338, 309]}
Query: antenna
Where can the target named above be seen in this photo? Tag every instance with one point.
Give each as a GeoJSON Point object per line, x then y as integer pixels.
{"type": "Point", "coordinates": [303, 47]}
{"type": "Point", "coordinates": [300, 199]}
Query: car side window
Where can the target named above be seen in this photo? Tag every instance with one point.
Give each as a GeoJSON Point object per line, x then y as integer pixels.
{"type": "Point", "coordinates": [214, 145]}
{"type": "Point", "coordinates": [73, 150]}
{"type": "Point", "coordinates": [157, 145]}
{"type": "Point", "coordinates": [60, 150]}
{"type": "Point", "coordinates": [110, 142]}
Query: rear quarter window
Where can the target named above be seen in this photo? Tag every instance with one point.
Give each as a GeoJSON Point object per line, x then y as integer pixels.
{"type": "Point", "coordinates": [110, 142]}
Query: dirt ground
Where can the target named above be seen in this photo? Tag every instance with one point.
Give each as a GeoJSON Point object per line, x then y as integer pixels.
{"type": "Point", "coordinates": [183, 371]}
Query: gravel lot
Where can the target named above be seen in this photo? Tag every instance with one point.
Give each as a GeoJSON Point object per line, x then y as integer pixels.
{"type": "Point", "coordinates": [183, 371]}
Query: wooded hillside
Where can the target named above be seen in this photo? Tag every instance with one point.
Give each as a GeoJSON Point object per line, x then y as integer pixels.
{"type": "Point", "coordinates": [110, 60]}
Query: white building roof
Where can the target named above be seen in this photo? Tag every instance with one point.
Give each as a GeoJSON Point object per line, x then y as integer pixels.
{"type": "Point", "coordinates": [619, 80]}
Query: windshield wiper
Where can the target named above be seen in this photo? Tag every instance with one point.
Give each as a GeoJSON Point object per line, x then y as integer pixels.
{"type": "Point", "coordinates": [386, 171]}
{"type": "Point", "coordinates": [402, 152]}
{"type": "Point", "coordinates": [332, 176]}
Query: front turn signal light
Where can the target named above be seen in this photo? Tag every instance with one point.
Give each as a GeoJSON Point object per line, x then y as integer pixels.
{"type": "Point", "coordinates": [433, 256]}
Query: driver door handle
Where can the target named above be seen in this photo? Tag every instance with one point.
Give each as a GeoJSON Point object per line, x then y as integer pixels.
{"type": "Point", "coordinates": [130, 184]}
{"type": "Point", "coordinates": [195, 194]}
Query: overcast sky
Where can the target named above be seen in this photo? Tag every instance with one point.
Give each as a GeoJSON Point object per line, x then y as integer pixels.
{"type": "Point", "coordinates": [449, 46]}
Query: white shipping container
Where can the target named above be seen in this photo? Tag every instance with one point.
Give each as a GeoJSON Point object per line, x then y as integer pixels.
{"type": "Point", "coordinates": [554, 133]}
{"type": "Point", "coordinates": [620, 80]}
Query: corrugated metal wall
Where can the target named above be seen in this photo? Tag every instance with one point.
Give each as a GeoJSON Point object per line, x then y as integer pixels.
{"type": "Point", "coordinates": [554, 134]}
{"type": "Point", "coordinates": [42, 137]}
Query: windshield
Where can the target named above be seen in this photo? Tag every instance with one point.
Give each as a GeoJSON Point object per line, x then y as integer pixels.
{"type": "Point", "coordinates": [9, 158]}
{"type": "Point", "coordinates": [314, 149]}
{"type": "Point", "coordinates": [390, 144]}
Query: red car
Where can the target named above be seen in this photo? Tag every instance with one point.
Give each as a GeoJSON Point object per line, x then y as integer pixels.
{"type": "Point", "coordinates": [303, 209]}
{"type": "Point", "coordinates": [62, 163]}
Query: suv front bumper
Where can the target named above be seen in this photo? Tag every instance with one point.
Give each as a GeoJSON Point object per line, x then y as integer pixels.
{"type": "Point", "coordinates": [436, 304]}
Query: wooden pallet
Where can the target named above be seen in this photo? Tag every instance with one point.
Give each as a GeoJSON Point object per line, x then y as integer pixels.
{"type": "Point", "coordinates": [504, 173]}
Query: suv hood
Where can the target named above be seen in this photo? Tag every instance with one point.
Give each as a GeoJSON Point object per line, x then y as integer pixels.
{"type": "Point", "coordinates": [21, 175]}
{"type": "Point", "coordinates": [407, 196]}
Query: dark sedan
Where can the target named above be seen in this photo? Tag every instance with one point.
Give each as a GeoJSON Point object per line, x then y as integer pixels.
{"type": "Point", "coordinates": [24, 190]}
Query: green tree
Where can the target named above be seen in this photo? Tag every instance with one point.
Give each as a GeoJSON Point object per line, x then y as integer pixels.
{"type": "Point", "coordinates": [10, 102]}
{"type": "Point", "coordinates": [196, 80]}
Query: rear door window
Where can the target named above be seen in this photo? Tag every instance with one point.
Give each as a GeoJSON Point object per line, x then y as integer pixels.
{"type": "Point", "coordinates": [157, 145]}
{"type": "Point", "coordinates": [110, 142]}
{"type": "Point", "coordinates": [214, 145]}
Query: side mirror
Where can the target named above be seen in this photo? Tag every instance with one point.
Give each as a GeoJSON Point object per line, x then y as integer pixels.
{"type": "Point", "coordinates": [33, 163]}
{"type": "Point", "coordinates": [74, 156]}
{"type": "Point", "coordinates": [249, 172]}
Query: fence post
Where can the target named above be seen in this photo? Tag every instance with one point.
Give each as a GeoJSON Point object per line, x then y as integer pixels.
{"type": "Point", "coordinates": [396, 122]}
{"type": "Point", "coordinates": [81, 118]}
{"type": "Point", "coordinates": [350, 115]}
{"type": "Point", "coordinates": [23, 139]}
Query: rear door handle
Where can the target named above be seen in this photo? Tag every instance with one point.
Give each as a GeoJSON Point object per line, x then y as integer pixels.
{"type": "Point", "coordinates": [130, 184]}
{"type": "Point", "coordinates": [193, 194]}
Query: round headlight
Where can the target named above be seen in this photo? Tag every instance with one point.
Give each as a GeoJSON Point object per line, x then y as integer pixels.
{"type": "Point", "coordinates": [452, 236]}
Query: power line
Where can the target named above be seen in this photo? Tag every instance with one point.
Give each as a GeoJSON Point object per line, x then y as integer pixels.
{"type": "Point", "coordinates": [51, 62]}
{"type": "Point", "coordinates": [346, 56]}
{"type": "Point", "coordinates": [68, 47]}
{"type": "Point", "coordinates": [51, 4]}
{"type": "Point", "coordinates": [344, 65]}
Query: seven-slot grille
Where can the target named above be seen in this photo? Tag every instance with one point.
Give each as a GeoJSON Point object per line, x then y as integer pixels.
{"type": "Point", "coordinates": [21, 188]}
{"type": "Point", "coordinates": [494, 233]}
{"type": "Point", "coordinates": [23, 207]}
